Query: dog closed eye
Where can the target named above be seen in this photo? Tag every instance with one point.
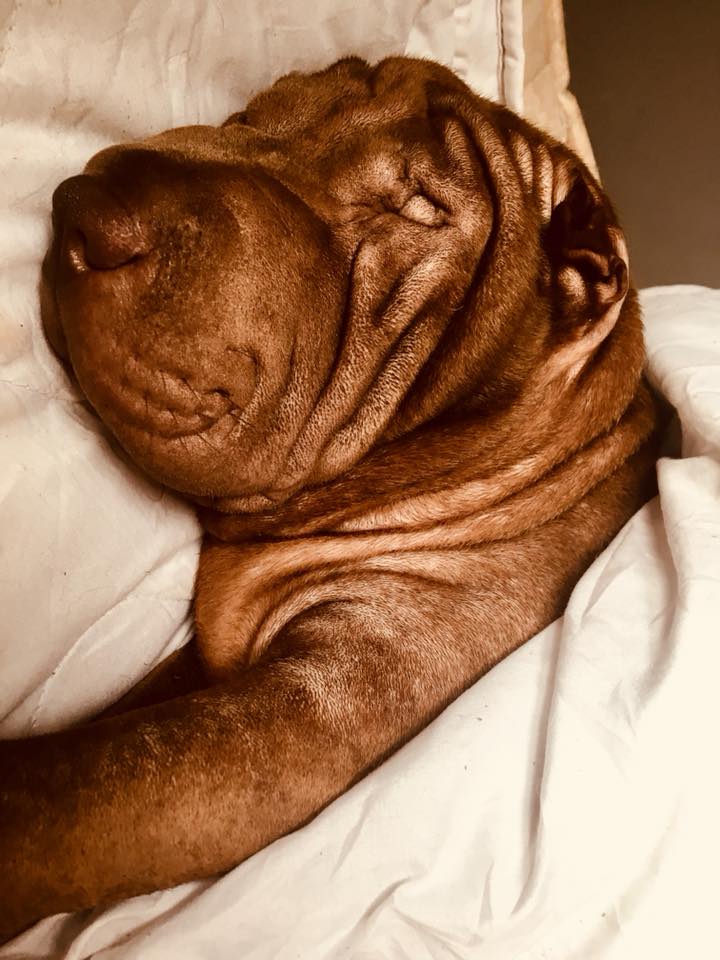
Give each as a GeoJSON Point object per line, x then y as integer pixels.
{"type": "Point", "coordinates": [417, 208]}
{"type": "Point", "coordinates": [422, 210]}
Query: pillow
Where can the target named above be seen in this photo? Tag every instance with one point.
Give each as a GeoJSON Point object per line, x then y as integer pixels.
{"type": "Point", "coordinates": [96, 562]}
{"type": "Point", "coordinates": [547, 101]}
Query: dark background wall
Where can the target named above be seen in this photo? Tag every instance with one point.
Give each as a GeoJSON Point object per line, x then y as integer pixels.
{"type": "Point", "coordinates": [647, 76]}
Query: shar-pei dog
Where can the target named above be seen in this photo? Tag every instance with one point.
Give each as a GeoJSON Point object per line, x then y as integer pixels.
{"type": "Point", "coordinates": [380, 332]}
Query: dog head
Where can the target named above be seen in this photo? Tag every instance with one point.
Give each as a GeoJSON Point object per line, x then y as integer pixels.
{"type": "Point", "coordinates": [252, 309]}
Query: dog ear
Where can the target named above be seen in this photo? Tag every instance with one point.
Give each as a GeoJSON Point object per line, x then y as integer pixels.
{"type": "Point", "coordinates": [587, 276]}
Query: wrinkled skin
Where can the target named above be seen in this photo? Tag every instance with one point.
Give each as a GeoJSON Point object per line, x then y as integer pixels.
{"type": "Point", "coordinates": [381, 332]}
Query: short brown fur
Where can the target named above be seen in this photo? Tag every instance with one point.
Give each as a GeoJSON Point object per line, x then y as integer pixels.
{"type": "Point", "coordinates": [380, 331]}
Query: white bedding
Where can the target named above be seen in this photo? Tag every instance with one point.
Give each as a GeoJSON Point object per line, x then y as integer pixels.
{"type": "Point", "coordinates": [565, 807]}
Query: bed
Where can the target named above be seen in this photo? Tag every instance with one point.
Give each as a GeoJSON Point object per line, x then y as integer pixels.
{"type": "Point", "coordinates": [563, 807]}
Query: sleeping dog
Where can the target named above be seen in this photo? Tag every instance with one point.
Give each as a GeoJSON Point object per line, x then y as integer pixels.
{"type": "Point", "coordinates": [380, 332]}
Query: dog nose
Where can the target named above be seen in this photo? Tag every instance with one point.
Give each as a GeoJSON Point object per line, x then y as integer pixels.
{"type": "Point", "coordinates": [94, 230]}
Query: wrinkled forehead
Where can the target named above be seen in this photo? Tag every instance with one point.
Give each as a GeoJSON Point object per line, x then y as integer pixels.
{"type": "Point", "coordinates": [349, 96]}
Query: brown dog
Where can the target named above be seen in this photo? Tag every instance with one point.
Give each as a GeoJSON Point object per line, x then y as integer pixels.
{"type": "Point", "coordinates": [380, 330]}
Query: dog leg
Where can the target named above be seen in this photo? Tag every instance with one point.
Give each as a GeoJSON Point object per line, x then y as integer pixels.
{"type": "Point", "coordinates": [192, 786]}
